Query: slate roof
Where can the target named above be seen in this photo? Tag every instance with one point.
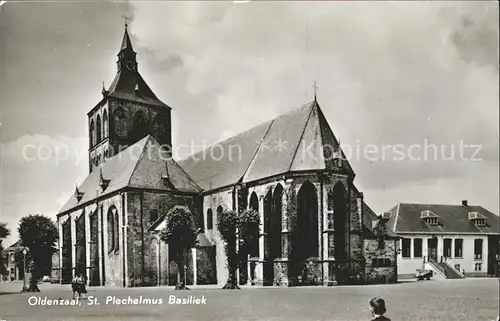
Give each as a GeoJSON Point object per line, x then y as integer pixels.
{"type": "Point", "coordinates": [303, 133]}
{"type": "Point", "coordinates": [124, 85]}
{"type": "Point", "coordinates": [15, 246]}
{"type": "Point", "coordinates": [138, 166]}
{"type": "Point", "coordinates": [452, 219]}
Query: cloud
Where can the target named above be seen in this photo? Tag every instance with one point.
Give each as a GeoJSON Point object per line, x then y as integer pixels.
{"type": "Point", "coordinates": [388, 73]}
{"type": "Point", "coordinates": [38, 171]}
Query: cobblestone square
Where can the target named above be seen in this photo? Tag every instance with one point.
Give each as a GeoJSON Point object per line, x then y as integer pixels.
{"type": "Point", "coordinates": [450, 300]}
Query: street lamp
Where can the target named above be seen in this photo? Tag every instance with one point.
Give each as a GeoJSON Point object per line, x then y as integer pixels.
{"type": "Point", "coordinates": [25, 288]}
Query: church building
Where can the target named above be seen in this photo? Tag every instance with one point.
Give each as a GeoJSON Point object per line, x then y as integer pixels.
{"type": "Point", "coordinates": [315, 227]}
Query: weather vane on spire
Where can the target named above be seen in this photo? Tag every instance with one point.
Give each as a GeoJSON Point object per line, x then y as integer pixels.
{"type": "Point", "coordinates": [315, 89]}
{"type": "Point", "coordinates": [127, 19]}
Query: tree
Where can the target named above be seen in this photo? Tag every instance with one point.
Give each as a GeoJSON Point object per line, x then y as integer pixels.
{"type": "Point", "coordinates": [4, 232]}
{"type": "Point", "coordinates": [248, 232]}
{"type": "Point", "coordinates": [227, 223]}
{"type": "Point", "coordinates": [39, 234]}
{"type": "Point", "coordinates": [249, 228]}
{"type": "Point", "coordinates": [180, 234]}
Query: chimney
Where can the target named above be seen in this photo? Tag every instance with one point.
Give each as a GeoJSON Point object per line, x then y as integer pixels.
{"type": "Point", "coordinates": [464, 203]}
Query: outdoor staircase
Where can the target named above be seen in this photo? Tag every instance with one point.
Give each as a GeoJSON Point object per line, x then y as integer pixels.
{"type": "Point", "coordinates": [450, 272]}
{"type": "Point", "coordinates": [447, 270]}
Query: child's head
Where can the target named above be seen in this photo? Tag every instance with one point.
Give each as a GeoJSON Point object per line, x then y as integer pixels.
{"type": "Point", "coordinates": [377, 306]}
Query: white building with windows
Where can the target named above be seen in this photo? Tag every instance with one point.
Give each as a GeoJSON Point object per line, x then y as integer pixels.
{"type": "Point", "coordinates": [451, 240]}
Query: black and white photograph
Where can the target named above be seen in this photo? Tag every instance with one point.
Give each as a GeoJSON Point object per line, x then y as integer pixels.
{"type": "Point", "coordinates": [249, 160]}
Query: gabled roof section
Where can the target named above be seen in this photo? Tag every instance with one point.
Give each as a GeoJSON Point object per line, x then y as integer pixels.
{"type": "Point", "coordinates": [371, 220]}
{"type": "Point", "coordinates": [476, 216]}
{"type": "Point", "coordinates": [406, 218]}
{"type": "Point", "coordinates": [225, 163]}
{"type": "Point", "coordinates": [131, 168]}
{"type": "Point", "coordinates": [298, 140]}
{"type": "Point", "coordinates": [427, 213]}
{"type": "Point", "coordinates": [287, 130]}
{"type": "Point", "coordinates": [16, 246]}
{"type": "Point", "coordinates": [153, 171]}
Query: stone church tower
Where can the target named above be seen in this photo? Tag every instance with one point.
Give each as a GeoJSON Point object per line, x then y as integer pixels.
{"type": "Point", "coordinates": [127, 112]}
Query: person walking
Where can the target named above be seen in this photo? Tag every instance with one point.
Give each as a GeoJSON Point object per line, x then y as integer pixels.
{"type": "Point", "coordinates": [78, 286]}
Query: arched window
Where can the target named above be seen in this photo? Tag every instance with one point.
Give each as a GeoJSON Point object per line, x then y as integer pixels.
{"type": "Point", "coordinates": [153, 262]}
{"type": "Point", "coordinates": [119, 122]}
{"type": "Point", "coordinates": [276, 222]}
{"type": "Point", "coordinates": [140, 128]}
{"type": "Point", "coordinates": [153, 216]}
{"type": "Point", "coordinates": [111, 229]}
{"type": "Point", "coordinates": [220, 209]}
{"type": "Point", "coordinates": [117, 232]}
{"type": "Point", "coordinates": [210, 219]}
{"type": "Point", "coordinates": [254, 202]}
{"type": "Point", "coordinates": [91, 133]}
{"type": "Point", "coordinates": [341, 222]}
{"type": "Point", "coordinates": [160, 128]}
{"type": "Point", "coordinates": [99, 128]}
{"type": "Point", "coordinates": [105, 124]}
{"type": "Point", "coordinates": [307, 222]}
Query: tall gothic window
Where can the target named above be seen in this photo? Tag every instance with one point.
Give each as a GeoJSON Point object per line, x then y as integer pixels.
{"type": "Point", "coordinates": [140, 128]}
{"type": "Point", "coordinates": [219, 211]}
{"type": "Point", "coordinates": [119, 122]}
{"type": "Point", "coordinates": [160, 128]}
{"type": "Point", "coordinates": [117, 232]}
{"type": "Point", "coordinates": [111, 229]}
{"type": "Point", "coordinates": [210, 219]}
{"type": "Point", "coordinates": [91, 133]}
{"type": "Point", "coordinates": [307, 238]}
{"type": "Point", "coordinates": [254, 202]}
{"type": "Point", "coordinates": [99, 129]}
{"type": "Point", "coordinates": [105, 124]}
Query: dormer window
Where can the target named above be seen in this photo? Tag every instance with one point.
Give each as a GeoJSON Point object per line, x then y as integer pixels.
{"type": "Point", "coordinates": [78, 195]}
{"type": "Point", "coordinates": [477, 219]}
{"type": "Point", "coordinates": [103, 183]}
{"type": "Point", "coordinates": [430, 218]}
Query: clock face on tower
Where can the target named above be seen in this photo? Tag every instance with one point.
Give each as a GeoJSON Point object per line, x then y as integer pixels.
{"type": "Point", "coordinates": [130, 65]}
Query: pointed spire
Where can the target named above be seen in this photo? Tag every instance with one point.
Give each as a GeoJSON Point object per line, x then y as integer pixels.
{"type": "Point", "coordinates": [104, 91]}
{"type": "Point", "coordinates": [315, 90]}
{"type": "Point", "coordinates": [126, 43]}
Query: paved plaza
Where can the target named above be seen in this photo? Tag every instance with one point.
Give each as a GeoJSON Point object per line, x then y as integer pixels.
{"type": "Point", "coordinates": [469, 299]}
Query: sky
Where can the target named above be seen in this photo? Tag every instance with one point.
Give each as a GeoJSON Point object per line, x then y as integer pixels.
{"type": "Point", "coordinates": [388, 73]}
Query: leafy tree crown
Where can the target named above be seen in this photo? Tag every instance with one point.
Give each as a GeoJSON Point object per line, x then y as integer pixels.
{"type": "Point", "coordinates": [179, 230]}
{"type": "Point", "coordinates": [227, 223]}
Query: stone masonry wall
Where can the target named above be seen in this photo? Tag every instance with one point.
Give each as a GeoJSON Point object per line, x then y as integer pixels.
{"type": "Point", "coordinates": [223, 198]}
{"type": "Point", "coordinates": [372, 251]}
{"type": "Point", "coordinates": [140, 249]}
